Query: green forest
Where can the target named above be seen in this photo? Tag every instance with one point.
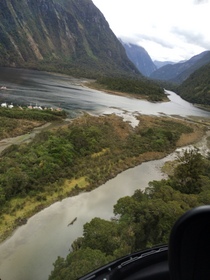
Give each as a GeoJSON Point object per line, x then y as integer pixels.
{"type": "Point", "coordinates": [141, 221]}
{"type": "Point", "coordinates": [78, 156]}
{"type": "Point", "coordinates": [151, 90]}
{"type": "Point", "coordinates": [196, 89]}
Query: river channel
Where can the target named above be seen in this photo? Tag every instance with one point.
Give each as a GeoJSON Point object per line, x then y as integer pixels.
{"type": "Point", "coordinates": [30, 252]}
{"type": "Point", "coordinates": [28, 87]}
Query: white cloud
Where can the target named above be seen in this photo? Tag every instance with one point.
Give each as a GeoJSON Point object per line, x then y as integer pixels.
{"type": "Point", "coordinates": [201, 1]}
{"type": "Point", "coordinates": [167, 29]}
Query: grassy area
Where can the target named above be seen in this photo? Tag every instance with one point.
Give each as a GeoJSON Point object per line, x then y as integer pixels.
{"type": "Point", "coordinates": [23, 208]}
{"type": "Point", "coordinates": [16, 121]}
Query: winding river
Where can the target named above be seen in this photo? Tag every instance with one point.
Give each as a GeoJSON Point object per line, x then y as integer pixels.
{"type": "Point", "coordinates": [30, 252]}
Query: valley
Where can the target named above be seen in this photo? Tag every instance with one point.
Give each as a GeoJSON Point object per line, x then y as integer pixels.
{"type": "Point", "coordinates": [118, 123]}
{"type": "Point", "coordinates": [102, 147]}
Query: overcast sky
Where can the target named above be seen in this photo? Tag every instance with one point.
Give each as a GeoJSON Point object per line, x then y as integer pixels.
{"type": "Point", "coordinates": [171, 30]}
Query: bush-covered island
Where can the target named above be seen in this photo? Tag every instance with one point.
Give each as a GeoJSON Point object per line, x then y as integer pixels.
{"type": "Point", "coordinates": [78, 157]}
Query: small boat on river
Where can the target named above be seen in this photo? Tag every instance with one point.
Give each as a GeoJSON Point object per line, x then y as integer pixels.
{"type": "Point", "coordinates": [72, 222]}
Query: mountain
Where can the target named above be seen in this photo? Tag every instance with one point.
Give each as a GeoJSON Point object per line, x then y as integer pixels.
{"type": "Point", "coordinates": [179, 72]}
{"type": "Point", "coordinates": [159, 64]}
{"type": "Point", "coordinates": [196, 88]}
{"type": "Point", "coordinates": [203, 60]}
{"type": "Point", "coordinates": [70, 36]}
{"type": "Point", "coordinates": [140, 58]}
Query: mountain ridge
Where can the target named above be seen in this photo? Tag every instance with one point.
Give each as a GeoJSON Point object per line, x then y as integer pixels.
{"type": "Point", "coordinates": [179, 72]}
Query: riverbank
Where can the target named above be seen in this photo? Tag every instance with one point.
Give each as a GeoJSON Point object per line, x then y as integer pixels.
{"type": "Point", "coordinates": [22, 208]}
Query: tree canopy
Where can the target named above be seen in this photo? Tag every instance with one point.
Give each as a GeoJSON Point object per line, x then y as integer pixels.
{"type": "Point", "coordinates": [143, 220]}
{"type": "Point", "coordinates": [147, 88]}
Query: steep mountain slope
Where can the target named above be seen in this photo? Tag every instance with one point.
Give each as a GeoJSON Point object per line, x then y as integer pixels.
{"type": "Point", "coordinates": [205, 59]}
{"type": "Point", "coordinates": [140, 58]}
{"type": "Point", "coordinates": [60, 35]}
{"type": "Point", "coordinates": [196, 89]}
{"type": "Point", "coordinates": [180, 71]}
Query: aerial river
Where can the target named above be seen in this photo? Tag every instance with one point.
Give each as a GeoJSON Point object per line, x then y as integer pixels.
{"type": "Point", "coordinates": [30, 252]}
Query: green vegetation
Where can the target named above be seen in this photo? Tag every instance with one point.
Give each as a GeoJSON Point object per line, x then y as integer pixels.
{"type": "Point", "coordinates": [196, 89]}
{"type": "Point", "coordinates": [32, 114]}
{"type": "Point", "coordinates": [18, 121]}
{"type": "Point", "coordinates": [142, 87]}
{"type": "Point", "coordinates": [143, 220]}
{"type": "Point", "coordinates": [77, 157]}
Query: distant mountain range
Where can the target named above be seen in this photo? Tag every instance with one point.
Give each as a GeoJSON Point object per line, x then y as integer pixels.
{"type": "Point", "coordinates": [70, 36]}
{"type": "Point", "coordinates": [179, 72]}
{"type": "Point", "coordinates": [159, 64]}
{"type": "Point", "coordinates": [140, 58]}
{"type": "Point", "coordinates": [164, 70]}
{"type": "Point", "coordinates": [190, 78]}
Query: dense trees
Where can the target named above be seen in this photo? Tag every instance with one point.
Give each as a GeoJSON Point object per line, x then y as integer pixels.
{"type": "Point", "coordinates": [143, 220]}
{"type": "Point", "coordinates": [188, 174]}
{"type": "Point", "coordinates": [143, 87]}
{"type": "Point", "coordinates": [79, 263]}
{"type": "Point", "coordinates": [196, 89]}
